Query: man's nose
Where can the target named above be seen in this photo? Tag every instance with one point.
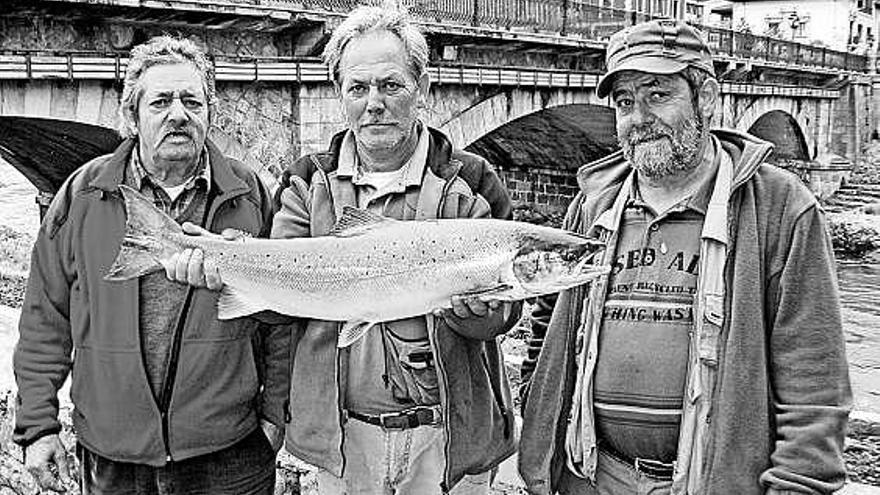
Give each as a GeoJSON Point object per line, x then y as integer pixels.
{"type": "Point", "coordinates": [177, 112]}
{"type": "Point", "coordinates": [375, 100]}
{"type": "Point", "coordinates": [641, 113]}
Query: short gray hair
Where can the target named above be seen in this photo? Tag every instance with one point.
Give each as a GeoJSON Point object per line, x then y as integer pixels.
{"type": "Point", "coordinates": [391, 17]}
{"type": "Point", "coordinates": [161, 50]}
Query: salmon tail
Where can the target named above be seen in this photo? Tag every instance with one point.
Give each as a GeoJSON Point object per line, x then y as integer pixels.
{"type": "Point", "coordinates": [146, 238]}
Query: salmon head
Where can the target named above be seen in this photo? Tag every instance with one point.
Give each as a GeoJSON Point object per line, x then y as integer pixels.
{"type": "Point", "coordinates": [553, 260]}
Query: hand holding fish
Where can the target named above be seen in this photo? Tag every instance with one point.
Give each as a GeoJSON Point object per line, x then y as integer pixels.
{"type": "Point", "coordinates": [473, 317]}
{"type": "Point", "coordinates": [190, 266]}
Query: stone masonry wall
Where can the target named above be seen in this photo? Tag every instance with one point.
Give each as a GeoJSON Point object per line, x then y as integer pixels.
{"type": "Point", "coordinates": [50, 34]}
{"type": "Point", "coordinates": [852, 120]}
{"type": "Point", "coordinates": [547, 191]}
{"type": "Point", "coordinates": [256, 123]}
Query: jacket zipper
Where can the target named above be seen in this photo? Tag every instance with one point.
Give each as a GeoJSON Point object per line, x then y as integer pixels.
{"type": "Point", "coordinates": [211, 209]}
{"type": "Point", "coordinates": [496, 393]}
{"type": "Point", "coordinates": [444, 398]}
{"type": "Point", "coordinates": [725, 328]}
{"type": "Point", "coordinates": [340, 391]}
{"type": "Point", "coordinates": [171, 373]}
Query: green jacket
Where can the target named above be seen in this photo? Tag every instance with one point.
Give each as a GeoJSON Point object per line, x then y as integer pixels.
{"type": "Point", "coordinates": [780, 393]}
{"type": "Point", "coordinates": [73, 320]}
{"type": "Point", "coordinates": [475, 396]}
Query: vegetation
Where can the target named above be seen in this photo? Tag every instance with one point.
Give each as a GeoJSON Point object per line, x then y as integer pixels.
{"type": "Point", "coordinates": [15, 255]}
{"type": "Point", "coordinates": [854, 234]}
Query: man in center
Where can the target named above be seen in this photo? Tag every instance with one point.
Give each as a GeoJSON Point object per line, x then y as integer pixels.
{"type": "Point", "coordinates": [419, 405]}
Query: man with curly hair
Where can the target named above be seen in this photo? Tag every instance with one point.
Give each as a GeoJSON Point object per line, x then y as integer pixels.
{"type": "Point", "coordinates": [167, 399]}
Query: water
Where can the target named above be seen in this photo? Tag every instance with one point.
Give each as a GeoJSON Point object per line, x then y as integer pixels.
{"type": "Point", "coordinates": [18, 208]}
{"type": "Point", "coordinates": [859, 282]}
{"type": "Point", "coordinates": [860, 300]}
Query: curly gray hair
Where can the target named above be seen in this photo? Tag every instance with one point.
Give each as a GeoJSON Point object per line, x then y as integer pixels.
{"type": "Point", "coordinates": [391, 17]}
{"type": "Point", "coordinates": [158, 51]}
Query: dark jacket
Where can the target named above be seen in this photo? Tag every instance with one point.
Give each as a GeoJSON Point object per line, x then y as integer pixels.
{"type": "Point", "coordinates": [475, 396]}
{"type": "Point", "coordinates": [782, 394]}
{"type": "Point", "coordinates": [216, 397]}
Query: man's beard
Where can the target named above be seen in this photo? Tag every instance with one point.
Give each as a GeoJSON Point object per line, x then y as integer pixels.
{"type": "Point", "coordinates": [657, 150]}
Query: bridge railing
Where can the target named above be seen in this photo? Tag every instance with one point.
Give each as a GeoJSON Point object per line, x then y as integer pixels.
{"type": "Point", "coordinates": [591, 21]}
{"type": "Point", "coordinates": [746, 45]}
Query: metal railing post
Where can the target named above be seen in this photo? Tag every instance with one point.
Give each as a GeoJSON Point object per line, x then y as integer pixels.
{"type": "Point", "coordinates": [565, 6]}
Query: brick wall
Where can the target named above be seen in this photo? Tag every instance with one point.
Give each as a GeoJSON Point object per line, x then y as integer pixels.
{"type": "Point", "coordinates": [545, 190]}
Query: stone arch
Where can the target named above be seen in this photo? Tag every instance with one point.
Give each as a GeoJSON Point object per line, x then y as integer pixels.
{"type": "Point", "coordinates": [561, 138]}
{"type": "Point", "coordinates": [786, 110]}
{"type": "Point", "coordinates": [781, 129]}
{"type": "Point", "coordinates": [493, 112]}
{"type": "Point", "coordinates": [82, 101]}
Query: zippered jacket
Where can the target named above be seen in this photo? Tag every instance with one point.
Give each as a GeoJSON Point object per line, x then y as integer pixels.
{"type": "Point", "coordinates": [768, 378]}
{"type": "Point", "coordinates": [73, 321]}
{"type": "Point", "coordinates": [475, 396]}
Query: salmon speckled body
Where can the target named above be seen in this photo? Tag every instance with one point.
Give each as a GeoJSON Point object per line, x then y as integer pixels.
{"type": "Point", "coordinates": [370, 268]}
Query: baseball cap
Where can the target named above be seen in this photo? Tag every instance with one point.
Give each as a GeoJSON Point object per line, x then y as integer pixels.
{"type": "Point", "coordinates": [658, 47]}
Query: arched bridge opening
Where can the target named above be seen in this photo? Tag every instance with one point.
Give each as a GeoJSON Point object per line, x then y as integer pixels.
{"type": "Point", "coordinates": [46, 151]}
{"type": "Point", "coordinates": [781, 129]}
{"type": "Point", "coordinates": [538, 155]}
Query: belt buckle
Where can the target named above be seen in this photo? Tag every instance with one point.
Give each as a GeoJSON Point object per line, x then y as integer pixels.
{"type": "Point", "coordinates": [387, 421]}
{"type": "Point", "coordinates": [434, 412]}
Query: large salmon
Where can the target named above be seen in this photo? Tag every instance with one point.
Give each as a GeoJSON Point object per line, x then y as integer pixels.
{"type": "Point", "coordinates": [370, 268]}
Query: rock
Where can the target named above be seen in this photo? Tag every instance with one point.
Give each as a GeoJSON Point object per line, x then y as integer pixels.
{"type": "Point", "coordinates": [871, 209]}
{"type": "Point", "coordinates": [854, 233]}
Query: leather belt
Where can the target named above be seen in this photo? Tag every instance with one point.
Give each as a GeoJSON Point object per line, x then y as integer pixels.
{"type": "Point", "coordinates": [658, 470]}
{"type": "Point", "coordinates": [402, 420]}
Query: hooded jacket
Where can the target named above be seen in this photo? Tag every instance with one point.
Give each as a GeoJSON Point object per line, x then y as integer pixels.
{"type": "Point", "coordinates": [475, 396]}
{"type": "Point", "coordinates": [779, 397]}
{"type": "Point", "coordinates": [75, 321]}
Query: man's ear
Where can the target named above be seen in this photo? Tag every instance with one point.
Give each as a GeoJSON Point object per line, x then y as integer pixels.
{"type": "Point", "coordinates": [130, 120]}
{"type": "Point", "coordinates": [424, 89]}
{"type": "Point", "coordinates": [710, 91]}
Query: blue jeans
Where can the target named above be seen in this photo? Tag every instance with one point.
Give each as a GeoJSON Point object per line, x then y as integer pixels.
{"type": "Point", "coordinates": [246, 468]}
{"type": "Point", "coordinates": [394, 462]}
{"type": "Point", "coordinates": [613, 477]}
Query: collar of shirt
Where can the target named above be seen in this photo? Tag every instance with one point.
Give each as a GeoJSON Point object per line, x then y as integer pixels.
{"type": "Point", "coordinates": [349, 165]}
{"type": "Point", "coordinates": [139, 173]}
{"type": "Point", "coordinates": [699, 199]}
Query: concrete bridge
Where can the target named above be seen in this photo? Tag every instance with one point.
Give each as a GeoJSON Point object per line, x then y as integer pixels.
{"type": "Point", "coordinates": [513, 80]}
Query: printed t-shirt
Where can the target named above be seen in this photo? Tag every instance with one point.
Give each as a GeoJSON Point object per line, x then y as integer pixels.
{"type": "Point", "coordinates": [648, 316]}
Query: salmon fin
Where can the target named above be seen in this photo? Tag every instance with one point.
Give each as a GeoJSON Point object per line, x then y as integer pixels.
{"type": "Point", "coordinates": [352, 331]}
{"type": "Point", "coordinates": [145, 240]}
{"type": "Point", "coordinates": [355, 221]}
{"type": "Point", "coordinates": [234, 303]}
{"type": "Point", "coordinates": [498, 290]}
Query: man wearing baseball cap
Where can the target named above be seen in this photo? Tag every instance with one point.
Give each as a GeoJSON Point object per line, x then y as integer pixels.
{"type": "Point", "coordinates": [711, 359]}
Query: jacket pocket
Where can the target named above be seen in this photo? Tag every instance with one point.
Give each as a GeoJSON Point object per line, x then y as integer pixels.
{"type": "Point", "coordinates": [410, 369]}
